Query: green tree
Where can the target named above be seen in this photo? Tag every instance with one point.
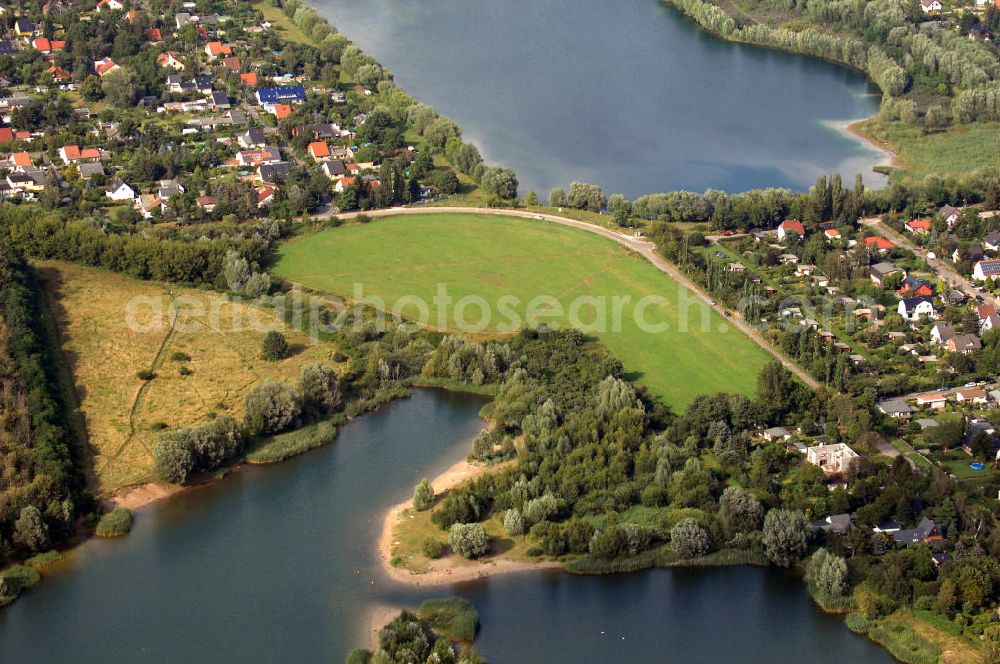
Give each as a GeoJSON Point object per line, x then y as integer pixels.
{"type": "Point", "coordinates": [785, 535]}
{"type": "Point", "coordinates": [469, 540]}
{"type": "Point", "coordinates": [827, 573]}
{"type": "Point", "coordinates": [319, 387]}
{"type": "Point", "coordinates": [513, 522]}
{"type": "Point", "coordinates": [557, 197]}
{"type": "Point", "coordinates": [173, 458]}
{"type": "Point", "coordinates": [688, 539]}
{"type": "Point", "coordinates": [274, 346]}
{"type": "Point", "coordinates": [500, 182]}
{"type": "Point", "coordinates": [423, 495]}
{"type": "Point", "coordinates": [30, 530]}
{"type": "Point", "coordinates": [272, 407]}
{"type": "Point", "coordinates": [741, 512]}
{"type": "Point", "coordinates": [120, 88]}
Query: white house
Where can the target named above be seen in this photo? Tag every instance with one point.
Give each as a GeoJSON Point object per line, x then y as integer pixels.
{"type": "Point", "coordinates": [119, 191]}
{"type": "Point", "coordinates": [833, 459]}
{"type": "Point", "coordinates": [988, 269]}
{"type": "Point", "coordinates": [930, 6]}
{"type": "Point", "coordinates": [914, 308]}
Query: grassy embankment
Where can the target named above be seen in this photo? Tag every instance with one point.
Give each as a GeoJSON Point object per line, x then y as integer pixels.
{"type": "Point", "coordinates": [490, 257]}
{"type": "Point", "coordinates": [918, 637]}
{"type": "Point", "coordinates": [198, 369]}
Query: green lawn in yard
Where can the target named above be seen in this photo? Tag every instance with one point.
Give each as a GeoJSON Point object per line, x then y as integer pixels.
{"type": "Point", "coordinates": [492, 257]}
{"type": "Point", "coordinates": [288, 29]}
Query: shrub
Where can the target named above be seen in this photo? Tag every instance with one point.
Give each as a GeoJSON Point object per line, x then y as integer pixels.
{"type": "Point", "coordinates": [785, 533]}
{"type": "Point", "coordinates": [272, 407]}
{"type": "Point", "coordinates": [30, 531]}
{"type": "Point", "coordinates": [274, 346]}
{"type": "Point", "coordinates": [423, 495]}
{"type": "Point", "coordinates": [688, 539]}
{"type": "Point", "coordinates": [115, 523]}
{"type": "Point", "coordinates": [319, 388]}
{"type": "Point", "coordinates": [173, 460]}
{"type": "Point", "coordinates": [453, 617]}
{"type": "Point", "coordinates": [513, 523]}
{"type": "Point", "coordinates": [469, 540]}
{"type": "Point", "coordinates": [178, 356]}
{"type": "Point", "coordinates": [184, 371]}
{"type": "Point", "coordinates": [432, 547]}
{"type": "Point", "coordinates": [145, 374]}
{"type": "Point", "coordinates": [284, 445]}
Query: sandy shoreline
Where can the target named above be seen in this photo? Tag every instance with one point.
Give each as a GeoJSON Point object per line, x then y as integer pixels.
{"type": "Point", "coordinates": [853, 128]}
{"type": "Point", "coordinates": [443, 575]}
{"type": "Point", "coordinates": [139, 496]}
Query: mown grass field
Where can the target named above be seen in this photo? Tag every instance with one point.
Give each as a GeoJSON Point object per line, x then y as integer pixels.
{"type": "Point", "coordinates": [124, 414]}
{"type": "Point", "coordinates": [492, 257]}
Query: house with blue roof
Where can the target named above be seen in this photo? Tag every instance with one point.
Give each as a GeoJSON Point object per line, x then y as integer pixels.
{"type": "Point", "coordinates": [287, 94]}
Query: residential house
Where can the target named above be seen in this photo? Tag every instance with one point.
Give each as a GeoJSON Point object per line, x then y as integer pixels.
{"type": "Point", "coordinates": [319, 150]}
{"type": "Point", "coordinates": [791, 226]}
{"type": "Point", "coordinates": [835, 523]}
{"type": "Point", "coordinates": [249, 79]}
{"type": "Point", "coordinates": [913, 287]}
{"type": "Point", "coordinates": [992, 322]}
{"type": "Point", "coordinates": [169, 188]}
{"type": "Point", "coordinates": [289, 94]}
{"type": "Point", "coordinates": [833, 459]}
{"type": "Point", "coordinates": [265, 195]}
{"type": "Point", "coordinates": [931, 6]}
{"type": "Point", "coordinates": [971, 395]}
{"type": "Point", "coordinates": [988, 269]}
{"type": "Point", "coordinates": [252, 138]}
{"type": "Point", "coordinates": [109, 6]}
{"type": "Point", "coordinates": [119, 191]}
{"type": "Point", "coordinates": [203, 84]}
{"type": "Point", "coordinates": [832, 234]}
{"type": "Point", "coordinates": [24, 27]}
{"type": "Point", "coordinates": [949, 214]}
{"type": "Point", "coordinates": [935, 399]}
{"type": "Point", "coordinates": [776, 434]}
{"type": "Point", "coordinates": [942, 332]}
{"type": "Point", "coordinates": [919, 226]}
{"type": "Point", "coordinates": [170, 59]}
{"type": "Point", "coordinates": [206, 203]}
{"type": "Point", "coordinates": [148, 205]}
{"type": "Point", "coordinates": [334, 169]}
{"type": "Point", "coordinates": [963, 343]}
{"type": "Point", "coordinates": [880, 271]}
{"type": "Point", "coordinates": [926, 531]}
{"type": "Point", "coordinates": [89, 170]}
{"type": "Point", "coordinates": [73, 153]}
{"type": "Point", "coordinates": [878, 243]}
{"type": "Point", "coordinates": [274, 173]}
{"type": "Point", "coordinates": [153, 35]}
{"type": "Point", "coordinates": [105, 66]}
{"type": "Point", "coordinates": [281, 111]}
{"type": "Point", "coordinates": [20, 160]}
{"type": "Point", "coordinates": [915, 308]}
{"type": "Point", "coordinates": [217, 49]}
{"type": "Point", "coordinates": [896, 408]}
{"type": "Point", "coordinates": [992, 240]}
{"type": "Point", "coordinates": [220, 101]}
{"type": "Point", "coordinates": [256, 157]}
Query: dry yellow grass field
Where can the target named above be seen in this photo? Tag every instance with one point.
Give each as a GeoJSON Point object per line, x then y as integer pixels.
{"type": "Point", "coordinates": [107, 342]}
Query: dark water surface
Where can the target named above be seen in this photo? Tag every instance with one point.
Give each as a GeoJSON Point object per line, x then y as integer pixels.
{"type": "Point", "coordinates": [277, 564]}
{"type": "Point", "coordinates": [628, 94]}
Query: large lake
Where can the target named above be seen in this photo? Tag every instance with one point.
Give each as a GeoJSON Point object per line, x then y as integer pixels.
{"type": "Point", "coordinates": [627, 94]}
{"type": "Point", "coordinates": [278, 564]}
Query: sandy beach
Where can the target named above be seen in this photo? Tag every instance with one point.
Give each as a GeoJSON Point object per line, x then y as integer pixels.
{"type": "Point", "coordinates": [853, 127]}
{"type": "Point", "coordinates": [450, 569]}
{"type": "Point", "coordinates": [139, 496]}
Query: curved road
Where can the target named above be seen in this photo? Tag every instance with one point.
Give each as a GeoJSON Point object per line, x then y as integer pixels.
{"type": "Point", "coordinates": [641, 246]}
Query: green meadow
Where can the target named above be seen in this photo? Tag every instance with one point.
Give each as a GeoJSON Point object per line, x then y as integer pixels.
{"type": "Point", "coordinates": [530, 272]}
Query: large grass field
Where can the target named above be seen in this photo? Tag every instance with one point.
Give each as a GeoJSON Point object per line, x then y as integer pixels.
{"type": "Point", "coordinates": [492, 257]}
{"type": "Point", "coordinates": [125, 414]}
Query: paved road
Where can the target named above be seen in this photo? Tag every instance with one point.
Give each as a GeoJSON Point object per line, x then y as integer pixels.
{"type": "Point", "coordinates": [641, 246]}
{"type": "Point", "coordinates": [946, 272]}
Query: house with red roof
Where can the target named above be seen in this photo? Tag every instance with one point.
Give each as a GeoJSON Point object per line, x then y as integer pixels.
{"type": "Point", "coordinates": [344, 183]}
{"type": "Point", "coordinates": [832, 234]}
{"type": "Point", "coordinates": [105, 66]}
{"type": "Point", "coordinates": [879, 243]}
{"type": "Point", "coordinates": [20, 160]}
{"type": "Point", "coordinates": [170, 59]}
{"type": "Point", "coordinates": [153, 35]}
{"type": "Point", "coordinates": [41, 44]}
{"type": "Point", "coordinates": [232, 63]}
{"type": "Point", "coordinates": [282, 111]}
{"type": "Point", "coordinates": [217, 49]}
{"type": "Point", "coordinates": [249, 79]}
{"type": "Point", "coordinates": [109, 6]}
{"type": "Point", "coordinates": [73, 153]}
{"type": "Point", "coordinates": [265, 195]}
{"type": "Point", "coordinates": [58, 73]}
{"type": "Point", "coordinates": [6, 135]}
{"type": "Point", "coordinates": [319, 150]}
{"type": "Point", "coordinates": [919, 226]}
{"type": "Point", "coordinates": [789, 226]}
